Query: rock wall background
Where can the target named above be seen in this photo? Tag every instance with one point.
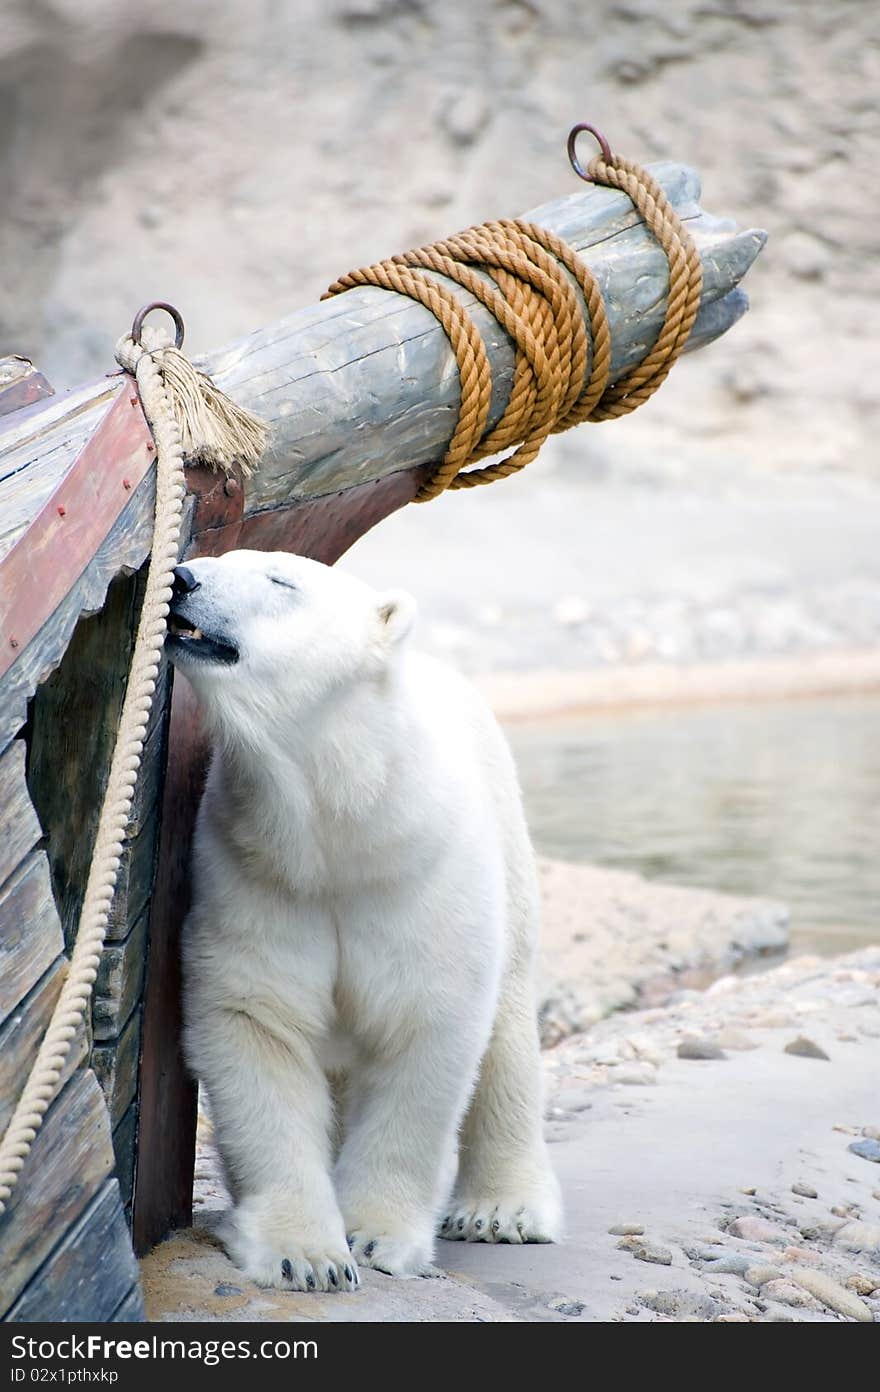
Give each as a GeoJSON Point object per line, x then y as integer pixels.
{"type": "Point", "coordinates": [234, 155]}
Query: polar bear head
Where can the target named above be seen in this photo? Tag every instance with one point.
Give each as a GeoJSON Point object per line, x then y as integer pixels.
{"type": "Point", "coordinates": [267, 632]}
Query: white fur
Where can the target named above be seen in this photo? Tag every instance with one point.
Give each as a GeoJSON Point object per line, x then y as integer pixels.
{"type": "Point", "coordinates": [359, 956]}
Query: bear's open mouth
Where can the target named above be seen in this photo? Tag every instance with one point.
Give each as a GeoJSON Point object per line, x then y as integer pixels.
{"type": "Point", "coordinates": [184, 637]}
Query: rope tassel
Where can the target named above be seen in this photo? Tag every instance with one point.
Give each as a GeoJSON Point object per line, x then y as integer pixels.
{"type": "Point", "coordinates": [214, 430]}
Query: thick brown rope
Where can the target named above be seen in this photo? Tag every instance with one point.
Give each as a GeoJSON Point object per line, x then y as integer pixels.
{"type": "Point", "coordinates": [525, 276]}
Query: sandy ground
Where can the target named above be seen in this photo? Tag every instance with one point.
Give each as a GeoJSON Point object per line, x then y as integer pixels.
{"type": "Point", "coordinates": [719, 1161]}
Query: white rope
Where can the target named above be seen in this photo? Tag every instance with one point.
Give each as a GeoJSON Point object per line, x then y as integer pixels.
{"type": "Point", "coordinates": [243, 440]}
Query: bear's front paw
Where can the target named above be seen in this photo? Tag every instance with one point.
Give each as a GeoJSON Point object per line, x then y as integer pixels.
{"type": "Point", "coordinates": [395, 1253]}
{"type": "Point", "coordinates": [537, 1218]}
{"type": "Point", "coordinates": [288, 1262]}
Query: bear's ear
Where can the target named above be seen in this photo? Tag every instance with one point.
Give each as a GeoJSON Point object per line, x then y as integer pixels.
{"type": "Point", "coordinates": [397, 612]}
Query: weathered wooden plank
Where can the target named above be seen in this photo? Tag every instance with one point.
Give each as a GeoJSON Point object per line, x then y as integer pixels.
{"type": "Point", "coordinates": [21, 384]}
{"type": "Point", "coordinates": [168, 1096]}
{"type": "Point", "coordinates": [119, 982]}
{"type": "Point", "coordinates": [124, 1138]}
{"type": "Point", "coordinates": [72, 733]}
{"type": "Point", "coordinates": [39, 444]}
{"type": "Point", "coordinates": [131, 1311]}
{"type": "Point", "coordinates": [30, 930]}
{"type": "Point", "coordinates": [19, 827]}
{"type": "Point", "coordinates": [124, 550]}
{"type": "Point", "coordinates": [116, 1068]}
{"type": "Point", "coordinates": [89, 1272]}
{"type": "Point", "coordinates": [22, 1035]}
{"type": "Point", "coordinates": [70, 1159]}
{"type": "Point", "coordinates": [44, 563]}
{"type": "Point", "coordinates": [135, 882]}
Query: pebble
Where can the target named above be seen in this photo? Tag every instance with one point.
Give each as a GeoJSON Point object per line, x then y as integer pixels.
{"type": "Point", "coordinates": [787, 1293]}
{"type": "Point", "coordinates": [732, 1319]}
{"type": "Point", "coordinates": [225, 1289]}
{"type": "Point", "coordinates": [760, 1275]}
{"type": "Point", "coordinates": [826, 1227]}
{"type": "Point", "coordinates": [734, 1263]}
{"type": "Point", "coordinates": [806, 1191]}
{"type": "Point", "coordinates": [872, 1132]}
{"type": "Point", "coordinates": [648, 1252]}
{"type": "Point", "coordinates": [731, 1038]}
{"type": "Point", "coordinates": [635, 1074]}
{"type": "Point", "coordinates": [862, 1285]}
{"type": "Point", "coordinates": [626, 1230]}
{"type": "Point", "coordinates": [805, 1048]}
{"type": "Point", "coordinates": [832, 1294]}
{"type": "Point", "coordinates": [772, 1020]}
{"type": "Point", "coordinates": [685, 1305]}
{"type": "Point", "coordinates": [867, 1148]}
{"type": "Point", "coordinates": [564, 1306]}
{"type": "Point", "coordinates": [748, 1189]}
{"type": "Point", "coordinates": [756, 1230]}
{"type": "Point", "coordinates": [845, 1211]}
{"type": "Point", "coordinates": [700, 1049]}
{"type": "Point", "coordinates": [858, 1237]}
{"type": "Point", "coordinates": [801, 1254]}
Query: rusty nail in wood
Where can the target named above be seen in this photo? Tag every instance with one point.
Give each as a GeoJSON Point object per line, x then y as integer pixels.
{"type": "Point", "coordinates": [150, 447]}
{"type": "Point", "coordinates": [13, 642]}
{"type": "Point", "coordinates": [126, 483]}
{"type": "Point", "coordinates": [62, 510]}
{"type": "Point", "coordinates": [133, 401]}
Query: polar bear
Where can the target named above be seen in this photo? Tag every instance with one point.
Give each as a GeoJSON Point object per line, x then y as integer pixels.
{"type": "Point", "coordinates": [359, 956]}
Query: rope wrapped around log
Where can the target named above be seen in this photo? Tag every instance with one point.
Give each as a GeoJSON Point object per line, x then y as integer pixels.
{"type": "Point", "coordinates": [562, 359]}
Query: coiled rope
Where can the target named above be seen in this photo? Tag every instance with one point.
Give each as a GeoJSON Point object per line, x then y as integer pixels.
{"type": "Point", "coordinates": [562, 359]}
{"type": "Point", "coordinates": [187, 416]}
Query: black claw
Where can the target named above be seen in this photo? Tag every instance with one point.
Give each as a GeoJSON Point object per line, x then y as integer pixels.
{"type": "Point", "coordinates": [478, 1225]}
{"type": "Point", "coordinates": [369, 1249]}
{"type": "Point", "coordinates": [349, 1237]}
{"type": "Point", "coordinates": [310, 1281]}
{"type": "Point", "coordinates": [445, 1224]}
{"type": "Point", "coordinates": [460, 1224]}
{"type": "Point", "coordinates": [496, 1226]}
{"type": "Point", "coordinates": [332, 1277]}
{"type": "Point", "coordinates": [349, 1275]}
{"type": "Point", "coordinates": [287, 1269]}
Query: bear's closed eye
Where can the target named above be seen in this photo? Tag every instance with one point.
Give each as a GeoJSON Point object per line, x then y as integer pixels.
{"type": "Point", "coordinates": [280, 580]}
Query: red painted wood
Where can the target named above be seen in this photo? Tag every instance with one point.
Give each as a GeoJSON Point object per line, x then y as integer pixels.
{"type": "Point", "coordinates": [31, 386]}
{"type": "Point", "coordinates": [43, 565]}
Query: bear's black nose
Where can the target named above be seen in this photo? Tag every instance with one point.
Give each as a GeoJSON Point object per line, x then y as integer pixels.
{"type": "Point", "coordinates": [184, 582]}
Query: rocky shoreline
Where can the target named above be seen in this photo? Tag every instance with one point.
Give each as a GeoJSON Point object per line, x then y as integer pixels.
{"type": "Point", "coordinates": [611, 940]}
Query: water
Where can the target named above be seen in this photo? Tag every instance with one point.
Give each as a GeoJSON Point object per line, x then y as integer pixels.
{"type": "Point", "coordinates": [778, 799]}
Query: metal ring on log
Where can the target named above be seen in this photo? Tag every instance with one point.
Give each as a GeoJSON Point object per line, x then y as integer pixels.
{"type": "Point", "coordinates": [175, 314]}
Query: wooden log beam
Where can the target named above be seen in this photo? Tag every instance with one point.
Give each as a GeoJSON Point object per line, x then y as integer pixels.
{"type": "Point", "coordinates": [365, 384]}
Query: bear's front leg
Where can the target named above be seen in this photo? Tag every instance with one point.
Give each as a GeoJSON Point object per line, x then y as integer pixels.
{"type": "Point", "coordinates": [272, 1115]}
{"type": "Point", "coordinates": [398, 1159]}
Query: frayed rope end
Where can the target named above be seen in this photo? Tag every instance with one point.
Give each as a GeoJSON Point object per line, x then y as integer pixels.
{"type": "Point", "coordinates": [214, 430]}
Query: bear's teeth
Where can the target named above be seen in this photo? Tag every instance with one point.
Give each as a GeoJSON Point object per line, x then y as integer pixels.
{"type": "Point", "coordinates": [196, 633]}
